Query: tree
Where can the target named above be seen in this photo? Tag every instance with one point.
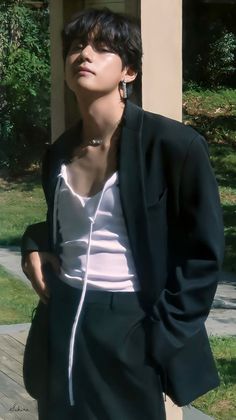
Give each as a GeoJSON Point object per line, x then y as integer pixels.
{"type": "Point", "coordinates": [24, 83]}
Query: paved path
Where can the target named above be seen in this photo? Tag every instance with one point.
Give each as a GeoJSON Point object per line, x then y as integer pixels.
{"type": "Point", "coordinates": [222, 318]}
{"type": "Point", "coordinates": [190, 413]}
{"type": "Point", "coordinates": [10, 259]}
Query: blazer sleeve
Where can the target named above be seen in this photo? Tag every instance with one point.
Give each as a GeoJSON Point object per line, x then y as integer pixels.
{"type": "Point", "coordinates": [36, 236]}
{"type": "Point", "coordinates": [197, 254]}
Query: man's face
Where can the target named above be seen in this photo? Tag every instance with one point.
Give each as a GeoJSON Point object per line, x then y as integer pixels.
{"type": "Point", "coordinates": [93, 69]}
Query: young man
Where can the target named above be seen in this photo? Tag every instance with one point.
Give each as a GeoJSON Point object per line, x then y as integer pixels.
{"type": "Point", "coordinates": [134, 234]}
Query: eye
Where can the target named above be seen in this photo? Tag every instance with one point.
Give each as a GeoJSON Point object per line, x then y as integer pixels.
{"type": "Point", "coordinates": [106, 49]}
{"type": "Point", "coordinates": [103, 48]}
{"type": "Point", "coordinates": [76, 47]}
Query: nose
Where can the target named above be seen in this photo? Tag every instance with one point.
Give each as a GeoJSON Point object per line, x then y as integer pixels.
{"type": "Point", "coordinates": [87, 52]}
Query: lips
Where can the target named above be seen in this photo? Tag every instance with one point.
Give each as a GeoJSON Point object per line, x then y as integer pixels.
{"type": "Point", "coordinates": [84, 70]}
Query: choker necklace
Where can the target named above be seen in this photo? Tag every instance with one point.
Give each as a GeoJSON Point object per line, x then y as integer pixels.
{"type": "Point", "coordinates": [94, 142]}
{"type": "Point", "coordinates": [98, 142]}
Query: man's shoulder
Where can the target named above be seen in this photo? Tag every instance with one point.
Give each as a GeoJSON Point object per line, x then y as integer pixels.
{"type": "Point", "coordinates": [169, 129]}
{"type": "Point", "coordinates": [173, 137]}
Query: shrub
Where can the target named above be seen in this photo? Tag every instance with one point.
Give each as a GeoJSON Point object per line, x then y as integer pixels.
{"type": "Point", "coordinates": [221, 61]}
{"type": "Point", "coordinates": [215, 63]}
{"type": "Point", "coordinates": [24, 82]}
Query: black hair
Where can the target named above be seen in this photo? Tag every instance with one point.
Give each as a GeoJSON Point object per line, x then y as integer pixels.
{"type": "Point", "coordinates": [119, 32]}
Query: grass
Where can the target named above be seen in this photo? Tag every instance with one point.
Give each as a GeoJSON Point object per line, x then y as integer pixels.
{"type": "Point", "coordinates": [22, 203]}
{"type": "Point", "coordinates": [213, 113]}
{"type": "Point", "coordinates": [17, 300]}
{"type": "Point", "coordinates": [205, 101]}
{"type": "Point", "coordinates": [221, 402]}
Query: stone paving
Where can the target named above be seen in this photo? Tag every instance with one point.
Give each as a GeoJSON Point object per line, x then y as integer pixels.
{"type": "Point", "coordinates": [222, 318]}
{"type": "Point", "coordinates": [10, 259]}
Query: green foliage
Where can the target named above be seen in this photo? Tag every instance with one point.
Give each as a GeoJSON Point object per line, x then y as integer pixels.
{"type": "Point", "coordinates": [210, 54]}
{"type": "Point", "coordinates": [221, 58]}
{"type": "Point", "coordinates": [24, 82]}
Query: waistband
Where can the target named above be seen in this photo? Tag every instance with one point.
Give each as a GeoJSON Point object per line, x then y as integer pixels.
{"type": "Point", "coordinates": [113, 299]}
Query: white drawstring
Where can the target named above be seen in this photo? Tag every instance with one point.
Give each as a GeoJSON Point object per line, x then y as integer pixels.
{"type": "Point", "coordinates": [72, 338]}
{"type": "Point", "coordinates": [85, 281]}
{"type": "Point", "coordinates": [76, 320]}
{"type": "Point", "coordinates": [55, 202]}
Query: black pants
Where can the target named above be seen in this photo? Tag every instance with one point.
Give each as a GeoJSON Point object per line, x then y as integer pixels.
{"type": "Point", "coordinates": [113, 378]}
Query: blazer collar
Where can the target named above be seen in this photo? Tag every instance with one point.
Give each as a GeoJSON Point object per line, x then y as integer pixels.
{"type": "Point", "coordinates": [130, 159]}
{"type": "Point", "coordinates": [132, 192]}
{"type": "Point", "coordinates": [132, 116]}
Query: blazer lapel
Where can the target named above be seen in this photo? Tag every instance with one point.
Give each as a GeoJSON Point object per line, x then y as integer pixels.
{"type": "Point", "coordinates": [132, 193]}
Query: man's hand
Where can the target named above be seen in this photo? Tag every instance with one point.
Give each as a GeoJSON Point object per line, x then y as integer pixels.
{"type": "Point", "coordinates": [32, 266]}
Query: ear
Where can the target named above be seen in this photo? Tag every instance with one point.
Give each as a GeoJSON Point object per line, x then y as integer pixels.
{"type": "Point", "coordinates": [129, 75]}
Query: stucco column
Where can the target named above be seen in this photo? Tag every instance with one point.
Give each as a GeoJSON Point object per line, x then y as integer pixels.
{"type": "Point", "coordinates": [57, 69]}
{"type": "Point", "coordinates": [162, 62]}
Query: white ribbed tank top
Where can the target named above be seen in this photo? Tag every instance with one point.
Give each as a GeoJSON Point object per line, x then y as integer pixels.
{"type": "Point", "coordinates": [110, 266]}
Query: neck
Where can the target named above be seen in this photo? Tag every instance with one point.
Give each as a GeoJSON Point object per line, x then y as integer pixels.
{"type": "Point", "coordinates": [100, 117]}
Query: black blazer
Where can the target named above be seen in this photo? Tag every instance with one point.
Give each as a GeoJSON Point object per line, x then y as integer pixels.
{"type": "Point", "coordinates": [172, 212]}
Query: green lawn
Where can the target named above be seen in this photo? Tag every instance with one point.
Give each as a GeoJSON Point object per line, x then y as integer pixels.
{"type": "Point", "coordinates": [22, 203]}
{"type": "Point", "coordinates": [17, 300]}
{"type": "Point", "coordinates": [221, 402]}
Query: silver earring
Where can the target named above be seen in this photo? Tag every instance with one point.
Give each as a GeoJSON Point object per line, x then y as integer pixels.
{"type": "Point", "coordinates": [124, 88]}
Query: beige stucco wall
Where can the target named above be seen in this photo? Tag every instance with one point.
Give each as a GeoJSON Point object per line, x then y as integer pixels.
{"type": "Point", "coordinates": [162, 62]}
